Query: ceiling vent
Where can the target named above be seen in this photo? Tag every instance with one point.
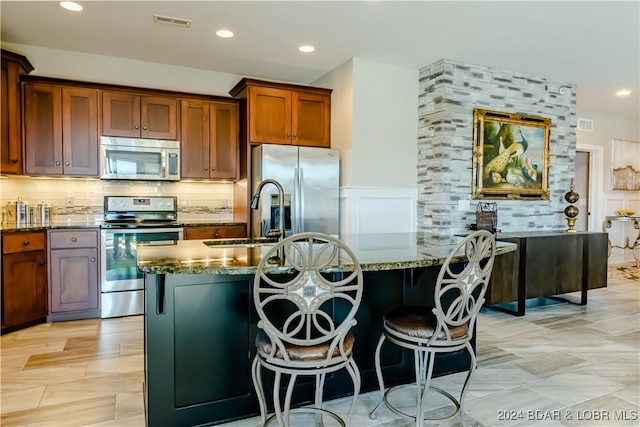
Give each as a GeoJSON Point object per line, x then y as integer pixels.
{"type": "Point", "coordinates": [585, 124]}
{"type": "Point", "coordinates": [178, 22]}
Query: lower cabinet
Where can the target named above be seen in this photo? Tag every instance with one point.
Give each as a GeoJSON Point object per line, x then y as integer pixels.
{"type": "Point", "coordinates": [198, 349]}
{"type": "Point", "coordinates": [74, 287]}
{"type": "Point", "coordinates": [215, 232]}
{"type": "Point", "coordinates": [24, 280]}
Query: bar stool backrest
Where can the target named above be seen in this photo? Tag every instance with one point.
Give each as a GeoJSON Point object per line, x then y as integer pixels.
{"type": "Point", "coordinates": [312, 305]}
{"type": "Point", "coordinates": [464, 290]}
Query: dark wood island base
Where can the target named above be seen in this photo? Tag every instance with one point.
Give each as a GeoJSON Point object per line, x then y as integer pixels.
{"type": "Point", "coordinates": [547, 264]}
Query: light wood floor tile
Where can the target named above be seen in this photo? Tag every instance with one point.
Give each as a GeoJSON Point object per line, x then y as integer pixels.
{"type": "Point", "coordinates": [129, 404]}
{"type": "Point", "coordinates": [120, 365]}
{"type": "Point", "coordinates": [25, 398]}
{"type": "Point", "coordinates": [70, 414]}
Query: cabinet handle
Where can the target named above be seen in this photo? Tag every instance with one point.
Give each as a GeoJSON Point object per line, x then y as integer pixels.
{"type": "Point", "coordinates": [136, 127]}
{"type": "Point", "coordinates": [57, 163]}
{"type": "Point", "coordinates": [67, 163]}
{"type": "Point", "coordinates": [14, 160]}
{"type": "Point", "coordinates": [206, 168]}
{"type": "Point", "coordinates": [213, 169]}
{"type": "Point", "coordinates": [144, 127]}
{"type": "Point", "coordinates": [295, 136]}
{"type": "Point", "coordinates": [41, 262]}
{"type": "Point", "coordinates": [26, 242]}
{"type": "Point", "coordinates": [73, 239]}
{"type": "Point", "coordinates": [215, 234]}
{"type": "Point", "coordinates": [93, 259]}
{"type": "Point", "coordinates": [288, 135]}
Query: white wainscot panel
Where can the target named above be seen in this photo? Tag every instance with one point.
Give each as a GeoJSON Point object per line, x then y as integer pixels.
{"type": "Point", "coordinates": [378, 210]}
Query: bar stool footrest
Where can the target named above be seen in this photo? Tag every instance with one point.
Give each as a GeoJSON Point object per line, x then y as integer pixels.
{"type": "Point", "coordinates": [436, 389]}
{"type": "Point", "coordinates": [317, 411]}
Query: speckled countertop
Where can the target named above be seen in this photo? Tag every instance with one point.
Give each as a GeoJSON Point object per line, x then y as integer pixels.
{"type": "Point", "coordinates": [375, 252]}
{"type": "Point", "coordinates": [95, 223]}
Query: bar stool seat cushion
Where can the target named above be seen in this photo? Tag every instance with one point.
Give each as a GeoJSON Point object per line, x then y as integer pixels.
{"type": "Point", "coordinates": [420, 322]}
{"type": "Point", "coordinates": [303, 353]}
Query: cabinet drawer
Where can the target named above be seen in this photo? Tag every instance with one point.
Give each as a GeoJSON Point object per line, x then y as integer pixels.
{"type": "Point", "coordinates": [221, 232]}
{"type": "Point", "coordinates": [73, 239]}
{"type": "Point", "coordinates": [23, 242]}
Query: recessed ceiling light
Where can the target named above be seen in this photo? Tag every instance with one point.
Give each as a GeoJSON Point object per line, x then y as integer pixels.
{"type": "Point", "coordinates": [225, 34]}
{"type": "Point", "coordinates": [623, 92]}
{"type": "Point", "coordinates": [73, 6]}
{"type": "Point", "coordinates": [306, 49]}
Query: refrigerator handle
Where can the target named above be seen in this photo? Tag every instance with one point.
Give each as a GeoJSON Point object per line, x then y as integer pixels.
{"type": "Point", "coordinates": [301, 203]}
{"type": "Point", "coordinates": [295, 202]}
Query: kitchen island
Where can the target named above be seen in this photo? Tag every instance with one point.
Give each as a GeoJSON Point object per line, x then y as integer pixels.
{"type": "Point", "coordinates": [200, 322]}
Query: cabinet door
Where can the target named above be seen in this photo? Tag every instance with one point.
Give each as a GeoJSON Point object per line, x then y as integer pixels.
{"type": "Point", "coordinates": [194, 138]}
{"type": "Point", "coordinates": [43, 129]}
{"type": "Point", "coordinates": [198, 367]}
{"type": "Point", "coordinates": [80, 131]}
{"type": "Point", "coordinates": [10, 144]}
{"type": "Point", "coordinates": [224, 141]}
{"type": "Point", "coordinates": [269, 115]}
{"type": "Point", "coordinates": [24, 281]}
{"type": "Point", "coordinates": [74, 280]}
{"type": "Point", "coordinates": [120, 114]}
{"type": "Point", "coordinates": [159, 118]}
{"type": "Point", "coordinates": [311, 119]}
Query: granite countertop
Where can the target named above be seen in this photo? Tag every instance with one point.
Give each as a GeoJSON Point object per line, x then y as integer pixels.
{"type": "Point", "coordinates": [95, 223]}
{"type": "Point", "coordinates": [375, 252]}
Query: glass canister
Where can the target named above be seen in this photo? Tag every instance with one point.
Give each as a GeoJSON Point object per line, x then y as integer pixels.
{"type": "Point", "coordinates": [43, 214]}
{"type": "Point", "coordinates": [18, 213]}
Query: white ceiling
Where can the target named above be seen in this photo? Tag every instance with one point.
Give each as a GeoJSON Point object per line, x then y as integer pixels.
{"type": "Point", "coordinates": [594, 44]}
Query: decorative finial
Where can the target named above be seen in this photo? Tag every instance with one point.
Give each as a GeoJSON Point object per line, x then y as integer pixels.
{"type": "Point", "coordinates": [571, 212]}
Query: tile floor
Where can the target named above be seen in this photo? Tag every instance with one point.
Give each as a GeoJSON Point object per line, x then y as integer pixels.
{"type": "Point", "coordinates": [560, 365]}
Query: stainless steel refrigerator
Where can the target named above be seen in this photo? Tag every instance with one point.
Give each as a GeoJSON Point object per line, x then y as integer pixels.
{"type": "Point", "coordinates": [310, 178]}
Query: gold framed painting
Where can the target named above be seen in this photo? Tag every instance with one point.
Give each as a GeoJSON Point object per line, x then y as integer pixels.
{"type": "Point", "coordinates": [510, 156]}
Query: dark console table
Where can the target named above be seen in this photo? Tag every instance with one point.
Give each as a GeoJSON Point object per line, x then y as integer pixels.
{"type": "Point", "coordinates": [547, 264]}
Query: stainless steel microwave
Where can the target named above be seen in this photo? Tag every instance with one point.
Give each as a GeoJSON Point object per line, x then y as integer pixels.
{"type": "Point", "coordinates": [139, 159]}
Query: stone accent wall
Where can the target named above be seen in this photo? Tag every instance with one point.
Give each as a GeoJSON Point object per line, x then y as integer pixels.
{"type": "Point", "coordinates": [449, 91]}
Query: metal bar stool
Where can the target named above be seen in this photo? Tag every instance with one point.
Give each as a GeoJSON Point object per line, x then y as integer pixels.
{"type": "Point", "coordinates": [300, 334]}
{"type": "Point", "coordinates": [445, 328]}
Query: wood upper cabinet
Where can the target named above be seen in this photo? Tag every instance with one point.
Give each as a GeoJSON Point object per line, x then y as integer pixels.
{"type": "Point", "coordinates": [286, 114]}
{"type": "Point", "coordinates": [61, 130]}
{"type": "Point", "coordinates": [138, 116]}
{"type": "Point", "coordinates": [24, 279]}
{"type": "Point", "coordinates": [12, 66]}
{"type": "Point", "coordinates": [209, 139]}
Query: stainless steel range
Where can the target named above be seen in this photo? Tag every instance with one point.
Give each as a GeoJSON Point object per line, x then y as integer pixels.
{"type": "Point", "coordinates": [127, 222]}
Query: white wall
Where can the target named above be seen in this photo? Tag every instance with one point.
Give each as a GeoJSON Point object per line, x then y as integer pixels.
{"type": "Point", "coordinates": [340, 80]}
{"type": "Point", "coordinates": [374, 119]}
{"type": "Point", "coordinates": [104, 69]}
{"type": "Point", "coordinates": [385, 131]}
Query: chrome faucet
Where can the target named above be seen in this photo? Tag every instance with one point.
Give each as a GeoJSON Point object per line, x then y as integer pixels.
{"type": "Point", "coordinates": [279, 232]}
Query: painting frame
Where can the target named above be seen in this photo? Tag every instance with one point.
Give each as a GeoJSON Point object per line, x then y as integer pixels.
{"type": "Point", "coordinates": [510, 156]}
{"type": "Point", "coordinates": [625, 165]}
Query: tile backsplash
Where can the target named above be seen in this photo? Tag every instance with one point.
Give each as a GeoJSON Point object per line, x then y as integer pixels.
{"type": "Point", "coordinates": [85, 196]}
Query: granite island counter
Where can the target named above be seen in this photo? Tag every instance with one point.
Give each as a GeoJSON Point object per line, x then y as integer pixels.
{"type": "Point", "coordinates": [200, 323]}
